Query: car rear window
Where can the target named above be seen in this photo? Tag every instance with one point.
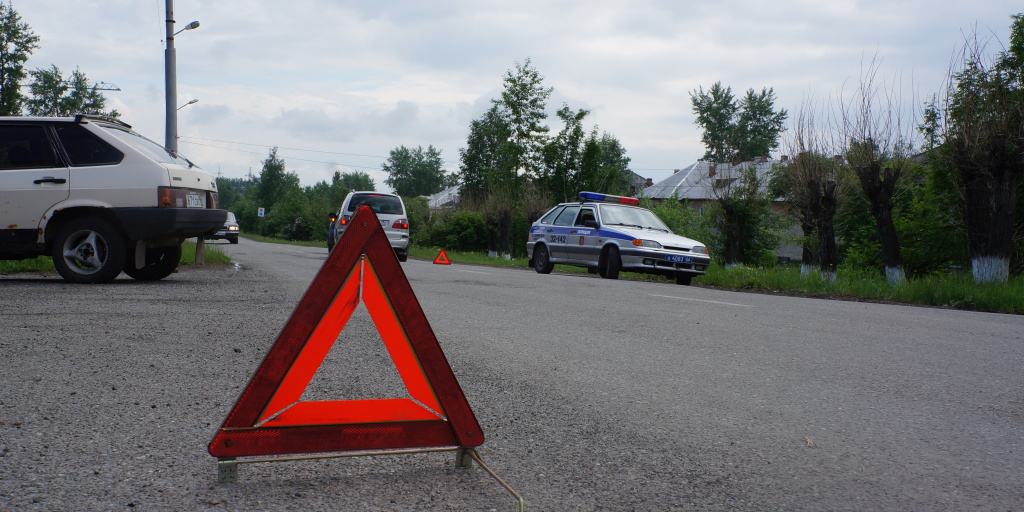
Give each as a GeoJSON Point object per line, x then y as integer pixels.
{"type": "Point", "coordinates": [390, 205]}
{"type": "Point", "coordinates": [85, 148]}
{"type": "Point", "coordinates": [146, 146]}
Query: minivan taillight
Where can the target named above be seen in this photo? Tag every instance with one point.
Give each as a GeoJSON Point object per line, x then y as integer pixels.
{"type": "Point", "coordinates": [400, 224]}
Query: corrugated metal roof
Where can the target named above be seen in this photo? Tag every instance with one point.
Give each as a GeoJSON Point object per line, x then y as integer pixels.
{"type": "Point", "coordinates": [695, 182]}
{"type": "Point", "coordinates": [446, 197]}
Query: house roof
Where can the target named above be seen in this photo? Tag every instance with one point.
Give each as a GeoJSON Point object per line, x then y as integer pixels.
{"type": "Point", "coordinates": [443, 198]}
{"type": "Point", "coordinates": [696, 182]}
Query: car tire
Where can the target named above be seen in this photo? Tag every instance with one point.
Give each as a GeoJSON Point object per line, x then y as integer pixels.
{"type": "Point", "coordinates": [88, 250]}
{"type": "Point", "coordinates": [612, 264]}
{"type": "Point", "coordinates": [233, 240]}
{"type": "Point", "coordinates": [542, 260]}
{"type": "Point", "coordinates": [684, 279]}
{"type": "Point", "coordinates": [160, 263]}
{"type": "Point", "coordinates": [402, 256]}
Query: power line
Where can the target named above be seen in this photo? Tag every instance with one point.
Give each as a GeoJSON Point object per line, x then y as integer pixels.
{"type": "Point", "coordinates": [295, 149]}
{"type": "Point", "coordinates": [289, 158]}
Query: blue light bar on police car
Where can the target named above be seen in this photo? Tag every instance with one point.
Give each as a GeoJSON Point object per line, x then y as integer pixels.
{"type": "Point", "coordinates": [605, 198]}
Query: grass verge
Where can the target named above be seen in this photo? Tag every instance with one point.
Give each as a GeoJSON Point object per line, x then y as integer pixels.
{"type": "Point", "coordinates": [272, 240]}
{"type": "Point", "coordinates": [214, 254]}
{"type": "Point", "coordinates": [950, 291]}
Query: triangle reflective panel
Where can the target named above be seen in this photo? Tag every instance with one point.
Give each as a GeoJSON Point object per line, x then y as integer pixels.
{"type": "Point", "coordinates": [270, 418]}
{"type": "Point", "coordinates": [442, 259]}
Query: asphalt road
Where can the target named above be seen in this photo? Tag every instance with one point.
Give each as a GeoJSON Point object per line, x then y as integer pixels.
{"type": "Point", "coordinates": [593, 395]}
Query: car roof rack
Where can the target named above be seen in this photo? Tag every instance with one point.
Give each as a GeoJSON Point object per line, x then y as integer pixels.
{"type": "Point", "coordinates": [81, 119]}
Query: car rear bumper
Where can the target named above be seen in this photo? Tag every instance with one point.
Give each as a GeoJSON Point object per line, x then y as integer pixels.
{"type": "Point", "coordinates": [149, 222]}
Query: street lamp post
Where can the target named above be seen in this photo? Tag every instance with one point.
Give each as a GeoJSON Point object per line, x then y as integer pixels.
{"type": "Point", "coordinates": [171, 80]}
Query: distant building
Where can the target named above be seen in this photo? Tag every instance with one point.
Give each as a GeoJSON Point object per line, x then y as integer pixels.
{"type": "Point", "coordinates": [445, 199]}
{"type": "Point", "coordinates": [699, 183]}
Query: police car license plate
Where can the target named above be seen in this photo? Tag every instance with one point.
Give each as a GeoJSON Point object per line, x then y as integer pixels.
{"type": "Point", "coordinates": [678, 259]}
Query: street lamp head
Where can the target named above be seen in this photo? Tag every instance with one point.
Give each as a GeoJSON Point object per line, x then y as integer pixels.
{"type": "Point", "coordinates": [190, 26]}
{"type": "Point", "coordinates": [187, 104]}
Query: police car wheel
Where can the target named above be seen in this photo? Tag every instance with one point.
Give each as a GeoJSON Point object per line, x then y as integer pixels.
{"type": "Point", "coordinates": [684, 279]}
{"type": "Point", "coordinates": [541, 262]}
{"type": "Point", "coordinates": [611, 264]}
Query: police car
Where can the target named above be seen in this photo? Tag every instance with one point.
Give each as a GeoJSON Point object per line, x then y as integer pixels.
{"type": "Point", "coordinates": [607, 234]}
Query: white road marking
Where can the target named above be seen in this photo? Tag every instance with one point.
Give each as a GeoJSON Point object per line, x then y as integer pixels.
{"type": "Point", "coordinates": [473, 272]}
{"type": "Point", "coordinates": [702, 300]}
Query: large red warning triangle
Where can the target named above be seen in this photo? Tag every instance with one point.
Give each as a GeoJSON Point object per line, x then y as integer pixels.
{"type": "Point", "coordinates": [270, 419]}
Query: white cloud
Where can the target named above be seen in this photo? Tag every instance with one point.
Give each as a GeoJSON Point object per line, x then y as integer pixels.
{"type": "Point", "coordinates": [364, 77]}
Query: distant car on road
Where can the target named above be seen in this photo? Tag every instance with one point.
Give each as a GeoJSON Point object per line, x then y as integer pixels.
{"type": "Point", "coordinates": [229, 231]}
{"type": "Point", "coordinates": [607, 234]}
{"type": "Point", "coordinates": [389, 209]}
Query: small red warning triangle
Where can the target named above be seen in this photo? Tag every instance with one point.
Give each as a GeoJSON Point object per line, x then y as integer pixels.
{"type": "Point", "coordinates": [442, 259]}
{"type": "Point", "coordinates": [270, 419]}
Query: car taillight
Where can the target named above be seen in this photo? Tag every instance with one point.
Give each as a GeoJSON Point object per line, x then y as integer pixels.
{"type": "Point", "coordinates": [345, 219]}
{"type": "Point", "coordinates": [401, 224]}
{"type": "Point", "coordinates": [212, 200]}
{"type": "Point", "coordinates": [168, 197]}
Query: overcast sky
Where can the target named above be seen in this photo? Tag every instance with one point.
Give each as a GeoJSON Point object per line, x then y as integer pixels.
{"type": "Point", "coordinates": [338, 84]}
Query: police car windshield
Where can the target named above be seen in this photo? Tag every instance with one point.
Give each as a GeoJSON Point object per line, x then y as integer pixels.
{"type": "Point", "coordinates": [613, 214]}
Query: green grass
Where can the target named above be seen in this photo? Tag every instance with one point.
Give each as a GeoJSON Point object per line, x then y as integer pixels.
{"type": "Point", "coordinates": [214, 254]}
{"type": "Point", "coordinates": [272, 240]}
{"type": "Point", "coordinates": [951, 291]}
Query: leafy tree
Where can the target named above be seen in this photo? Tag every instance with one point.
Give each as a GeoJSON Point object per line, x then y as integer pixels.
{"type": "Point", "coordinates": [17, 41]}
{"type": "Point", "coordinates": [562, 172]}
{"type": "Point", "coordinates": [716, 110]}
{"type": "Point", "coordinates": [482, 157]}
{"type": "Point", "coordinates": [737, 131]}
{"type": "Point", "coordinates": [356, 180]}
{"type": "Point", "coordinates": [273, 184]}
{"type": "Point", "coordinates": [522, 104]}
{"type": "Point", "coordinates": [55, 95]}
{"type": "Point", "coordinates": [745, 229]}
{"type": "Point", "coordinates": [984, 141]}
{"type": "Point", "coordinates": [605, 166]}
{"type": "Point", "coordinates": [415, 172]}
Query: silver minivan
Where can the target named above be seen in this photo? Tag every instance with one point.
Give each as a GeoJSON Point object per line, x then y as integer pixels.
{"type": "Point", "coordinates": [389, 209]}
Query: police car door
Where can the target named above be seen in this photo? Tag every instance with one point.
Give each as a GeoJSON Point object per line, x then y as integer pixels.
{"type": "Point", "coordinates": [581, 244]}
{"type": "Point", "coordinates": [558, 233]}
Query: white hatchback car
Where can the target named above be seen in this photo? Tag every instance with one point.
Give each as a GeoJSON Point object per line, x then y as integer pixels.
{"type": "Point", "coordinates": [389, 209]}
{"type": "Point", "coordinates": [99, 198]}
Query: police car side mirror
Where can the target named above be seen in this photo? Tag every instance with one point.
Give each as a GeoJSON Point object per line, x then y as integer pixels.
{"type": "Point", "coordinates": [590, 223]}
{"type": "Point", "coordinates": [332, 216]}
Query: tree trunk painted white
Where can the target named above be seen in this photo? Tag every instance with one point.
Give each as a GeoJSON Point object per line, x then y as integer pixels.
{"type": "Point", "coordinates": [806, 270]}
{"type": "Point", "coordinates": [895, 275]}
{"type": "Point", "coordinates": [828, 276]}
{"type": "Point", "coordinates": [990, 269]}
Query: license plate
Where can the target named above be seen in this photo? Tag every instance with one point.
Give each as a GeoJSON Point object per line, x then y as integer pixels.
{"type": "Point", "coordinates": [195, 201]}
{"type": "Point", "coordinates": [678, 259]}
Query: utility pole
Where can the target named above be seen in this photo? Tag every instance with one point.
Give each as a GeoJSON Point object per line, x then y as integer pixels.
{"type": "Point", "coordinates": [171, 84]}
